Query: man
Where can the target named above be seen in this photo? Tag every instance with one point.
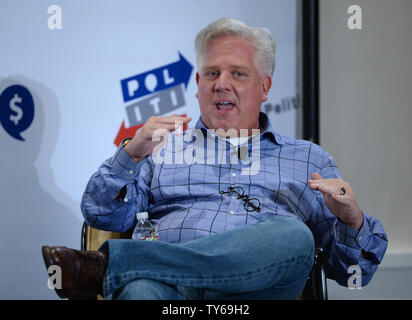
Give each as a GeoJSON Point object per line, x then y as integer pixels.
{"type": "Point", "coordinates": [223, 233]}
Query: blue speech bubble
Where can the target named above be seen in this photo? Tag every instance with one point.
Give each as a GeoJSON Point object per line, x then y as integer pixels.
{"type": "Point", "coordinates": [16, 110]}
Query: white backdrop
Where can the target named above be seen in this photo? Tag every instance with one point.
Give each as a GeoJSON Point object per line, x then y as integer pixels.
{"type": "Point", "coordinates": [74, 77]}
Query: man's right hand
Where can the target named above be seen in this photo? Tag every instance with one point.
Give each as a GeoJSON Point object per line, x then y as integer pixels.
{"type": "Point", "coordinates": [152, 134]}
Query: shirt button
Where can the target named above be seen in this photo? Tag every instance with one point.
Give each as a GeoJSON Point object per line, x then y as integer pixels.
{"type": "Point", "coordinates": [231, 212]}
{"type": "Point", "coordinates": [125, 199]}
{"type": "Point", "coordinates": [131, 171]}
{"type": "Point", "coordinates": [233, 174]}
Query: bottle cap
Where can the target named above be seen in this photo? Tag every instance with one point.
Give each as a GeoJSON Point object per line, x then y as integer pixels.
{"type": "Point", "coordinates": [142, 215]}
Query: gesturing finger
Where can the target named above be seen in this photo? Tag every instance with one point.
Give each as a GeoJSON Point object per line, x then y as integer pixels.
{"type": "Point", "coordinates": [172, 119]}
{"type": "Point", "coordinates": [316, 176]}
{"type": "Point", "coordinates": [171, 123]}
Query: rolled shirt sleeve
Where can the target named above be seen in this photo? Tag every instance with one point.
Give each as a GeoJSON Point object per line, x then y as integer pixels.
{"type": "Point", "coordinates": [116, 192]}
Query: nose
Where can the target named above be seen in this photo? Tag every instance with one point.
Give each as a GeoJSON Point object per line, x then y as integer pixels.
{"type": "Point", "coordinates": [223, 83]}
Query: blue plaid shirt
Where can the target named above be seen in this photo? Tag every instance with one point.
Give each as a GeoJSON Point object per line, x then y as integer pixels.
{"type": "Point", "coordinates": [191, 200]}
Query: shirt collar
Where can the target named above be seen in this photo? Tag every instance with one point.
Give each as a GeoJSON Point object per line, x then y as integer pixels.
{"type": "Point", "coordinates": [264, 123]}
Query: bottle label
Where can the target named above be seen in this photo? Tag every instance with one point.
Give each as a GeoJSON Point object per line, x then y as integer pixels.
{"type": "Point", "coordinates": [151, 238]}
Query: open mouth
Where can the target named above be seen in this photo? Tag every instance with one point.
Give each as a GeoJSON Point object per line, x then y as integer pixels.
{"type": "Point", "coordinates": [224, 106]}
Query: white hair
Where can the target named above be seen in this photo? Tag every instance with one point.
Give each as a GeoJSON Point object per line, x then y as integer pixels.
{"type": "Point", "coordinates": [260, 38]}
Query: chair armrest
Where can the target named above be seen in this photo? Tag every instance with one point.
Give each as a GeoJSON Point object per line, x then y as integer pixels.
{"type": "Point", "coordinates": [92, 239]}
{"type": "Point", "coordinates": [316, 285]}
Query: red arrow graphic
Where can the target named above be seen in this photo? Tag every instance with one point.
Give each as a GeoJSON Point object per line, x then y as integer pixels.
{"type": "Point", "coordinates": [126, 133]}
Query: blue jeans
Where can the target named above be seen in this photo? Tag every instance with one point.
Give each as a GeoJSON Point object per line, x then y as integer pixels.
{"type": "Point", "coordinates": [266, 260]}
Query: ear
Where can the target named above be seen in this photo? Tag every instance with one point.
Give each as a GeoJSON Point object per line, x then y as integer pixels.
{"type": "Point", "coordinates": [266, 85]}
{"type": "Point", "coordinates": [197, 82]}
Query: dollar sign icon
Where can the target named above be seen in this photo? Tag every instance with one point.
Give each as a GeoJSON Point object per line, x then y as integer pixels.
{"type": "Point", "coordinates": [19, 113]}
{"type": "Point", "coordinates": [16, 110]}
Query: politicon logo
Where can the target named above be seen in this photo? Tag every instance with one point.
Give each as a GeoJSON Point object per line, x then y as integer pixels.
{"type": "Point", "coordinates": [153, 93]}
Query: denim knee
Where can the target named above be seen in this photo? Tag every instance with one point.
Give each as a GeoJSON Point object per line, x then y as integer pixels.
{"type": "Point", "coordinates": [302, 237]}
{"type": "Point", "coordinates": [301, 245]}
{"type": "Point", "coordinates": [294, 242]}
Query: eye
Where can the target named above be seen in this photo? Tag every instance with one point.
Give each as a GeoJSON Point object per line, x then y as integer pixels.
{"type": "Point", "coordinates": [211, 74]}
{"type": "Point", "coordinates": [239, 74]}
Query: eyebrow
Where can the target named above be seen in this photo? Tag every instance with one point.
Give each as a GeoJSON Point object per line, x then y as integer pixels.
{"type": "Point", "coordinates": [232, 66]}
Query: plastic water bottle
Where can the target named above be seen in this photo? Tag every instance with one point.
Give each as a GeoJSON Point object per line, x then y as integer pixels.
{"type": "Point", "coordinates": [144, 229]}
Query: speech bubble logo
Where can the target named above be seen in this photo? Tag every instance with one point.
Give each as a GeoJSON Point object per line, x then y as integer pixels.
{"type": "Point", "coordinates": [16, 110]}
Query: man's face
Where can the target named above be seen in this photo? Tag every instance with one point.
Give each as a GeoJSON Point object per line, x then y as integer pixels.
{"type": "Point", "coordinates": [230, 87]}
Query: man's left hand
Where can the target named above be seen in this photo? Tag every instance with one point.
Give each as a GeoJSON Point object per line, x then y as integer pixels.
{"type": "Point", "coordinates": [341, 202]}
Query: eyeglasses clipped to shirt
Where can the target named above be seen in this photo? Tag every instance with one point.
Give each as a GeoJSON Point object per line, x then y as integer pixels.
{"type": "Point", "coordinates": [250, 204]}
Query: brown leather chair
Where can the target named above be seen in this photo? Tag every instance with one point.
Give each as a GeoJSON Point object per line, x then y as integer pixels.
{"type": "Point", "coordinates": [315, 288]}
